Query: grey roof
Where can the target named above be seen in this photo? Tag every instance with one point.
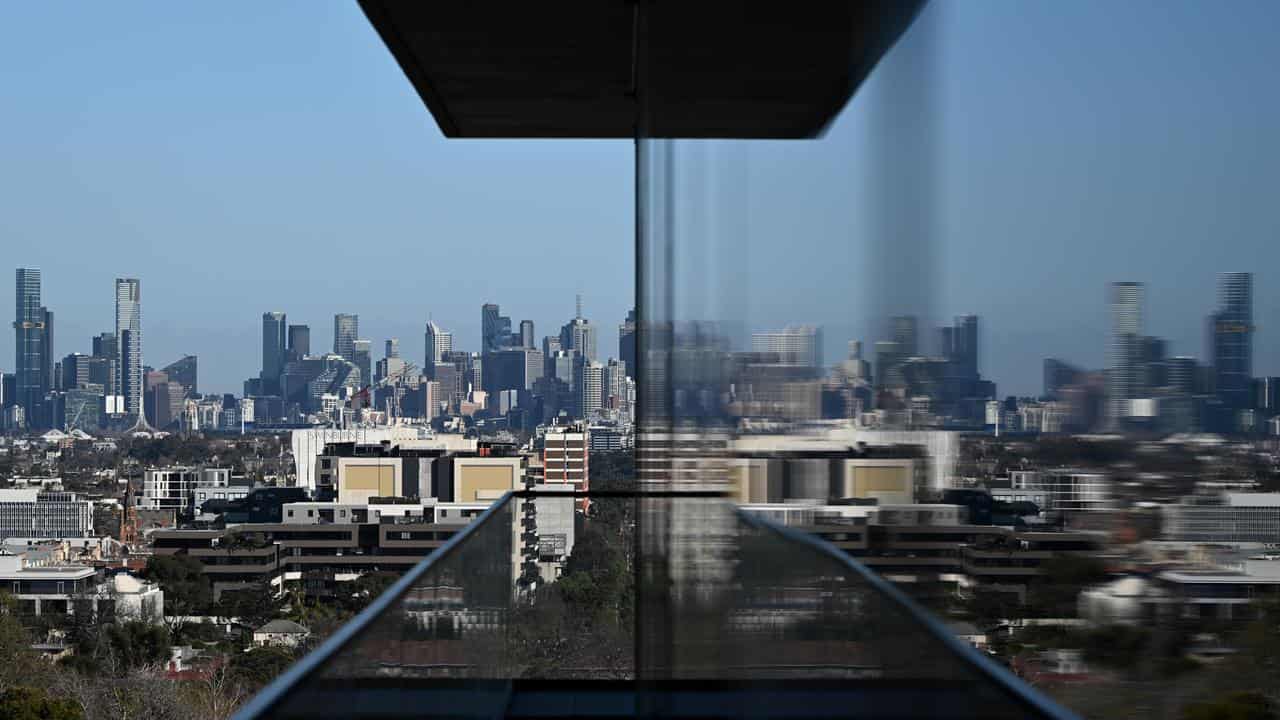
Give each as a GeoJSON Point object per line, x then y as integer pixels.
{"type": "Point", "coordinates": [282, 626]}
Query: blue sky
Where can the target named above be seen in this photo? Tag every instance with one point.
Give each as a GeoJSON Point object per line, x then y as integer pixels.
{"type": "Point", "coordinates": [242, 157]}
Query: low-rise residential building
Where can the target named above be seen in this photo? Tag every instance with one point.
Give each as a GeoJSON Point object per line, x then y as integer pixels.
{"type": "Point", "coordinates": [43, 583]}
{"type": "Point", "coordinates": [281, 633]}
{"type": "Point", "coordinates": [1224, 591]}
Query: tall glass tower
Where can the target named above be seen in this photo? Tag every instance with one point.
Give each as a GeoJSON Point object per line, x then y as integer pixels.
{"type": "Point", "coordinates": [346, 328]}
{"type": "Point", "coordinates": [495, 328]}
{"type": "Point", "coordinates": [129, 331]}
{"type": "Point", "coordinates": [1232, 339]}
{"type": "Point", "coordinates": [274, 327]}
{"type": "Point", "coordinates": [33, 346]}
{"type": "Point", "coordinates": [1123, 362]}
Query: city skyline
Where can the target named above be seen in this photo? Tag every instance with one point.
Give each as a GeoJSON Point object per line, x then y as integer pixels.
{"type": "Point", "coordinates": [831, 354]}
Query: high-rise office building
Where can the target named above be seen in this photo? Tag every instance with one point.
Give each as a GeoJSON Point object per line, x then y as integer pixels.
{"type": "Point", "coordinates": [1180, 375]}
{"type": "Point", "coordinates": [437, 342]}
{"type": "Point", "coordinates": [799, 345]}
{"type": "Point", "coordinates": [579, 335]}
{"type": "Point", "coordinates": [391, 366]}
{"type": "Point", "coordinates": [615, 382]}
{"type": "Point", "coordinates": [905, 331]}
{"type": "Point", "coordinates": [590, 388]}
{"type": "Point", "coordinates": [495, 328]}
{"type": "Point", "coordinates": [106, 345]}
{"type": "Point", "coordinates": [362, 357]}
{"type": "Point", "coordinates": [1232, 340]}
{"type": "Point", "coordinates": [273, 351]}
{"type": "Point", "coordinates": [104, 369]}
{"type": "Point", "coordinates": [185, 372]}
{"type": "Point", "coordinates": [129, 330]}
{"type": "Point", "coordinates": [1058, 375]}
{"type": "Point", "coordinates": [346, 328]}
{"type": "Point", "coordinates": [33, 345]}
{"type": "Point", "coordinates": [627, 342]}
{"type": "Point", "coordinates": [299, 345]}
{"type": "Point", "coordinates": [888, 355]}
{"type": "Point", "coordinates": [1123, 363]}
{"type": "Point", "coordinates": [526, 334]}
{"type": "Point", "coordinates": [75, 371]}
{"type": "Point", "coordinates": [511, 369]}
{"type": "Point", "coordinates": [962, 351]}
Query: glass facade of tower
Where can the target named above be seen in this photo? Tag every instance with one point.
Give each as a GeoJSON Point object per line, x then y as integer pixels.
{"type": "Point", "coordinates": [274, 328]}
{"type": "Point", "coordinates": [32, 326]}
{"type": "Point", "coordinates": [1126, 301]}
{"type": "Point", "coordinates": [1232, 340]}
{"type": "Point", "coordinates": [129, 330]}
{"type": "Point", "coordinates": [346, 328]}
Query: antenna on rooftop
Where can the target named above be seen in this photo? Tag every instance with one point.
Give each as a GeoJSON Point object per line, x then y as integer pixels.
{"type": "Point", "coordinates": [579, 304]}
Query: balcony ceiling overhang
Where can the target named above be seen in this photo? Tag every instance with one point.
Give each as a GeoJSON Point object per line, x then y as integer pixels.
{"type": "Point", "coordinates": [711, 68]}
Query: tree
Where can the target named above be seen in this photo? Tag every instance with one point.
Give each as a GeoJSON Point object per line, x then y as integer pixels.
{"type": "Point", "coordinates": [186, 589]}
{"type": "Point", "coordinates": [28, 703]}
{"type": "Point", "coordinates": [1061, 579]}
{"type": "Point", "coordinates": [259, 666]}
{"type": "Point", "coordinates": [115, 649]}
{"type": "Point", "coordinates": [16, 656]}
{"type": "Point", "coordinates": [254, 606]}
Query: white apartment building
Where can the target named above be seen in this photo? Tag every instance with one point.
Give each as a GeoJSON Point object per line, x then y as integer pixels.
{"type": "Point", "coordinates": [1065, 489]}
{"type": "Point", "coordinates": [175, 488]}
{"type": "Point", "coordinates": [566, 455]}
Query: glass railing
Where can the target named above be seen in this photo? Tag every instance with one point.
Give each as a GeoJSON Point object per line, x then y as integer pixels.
{"type": "Point", "coordinates": [520, 614]}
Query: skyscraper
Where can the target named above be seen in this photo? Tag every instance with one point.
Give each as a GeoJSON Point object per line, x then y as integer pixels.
{"type": "Point", "coordinates": [904, 331]}
{"type": "Point", "coordinates": [627, 342]}
{"type": "Point", "coordinates": [346, 328]}
{"type": "Point", "coordinates": [579, 335]}
{"type": "Point", "coordinates": [590, 388]}
{"type": "Point", "coordinates": [526, 334]}
{"type": "Point", "coordinates": [799, 345]}
{"type": "Point", "coordinates": [438, 342]}
{"type": "Point", "coordinates": [129, 330]}
{"type": "Point", "coordinates": [392, 347]}
{"type": "Point", "coordinates": [105, 369]}
{"type": "Point", "coordinates": [495, 328]}
{"type": "Point", "coordinates": [184, 372]}
{"type": "Point", "coordinates": [964, 344]}
{"type": "Point", "coordinates": [299, 342]}
{"type": "Point", "coordinates": [1123, 367]}
{"type": "Point", "coordinates": [273, 351]}
{"type": "Point", "coordinates": [33, 345]}
{"type": "Point", "coordinates": [362, 357]}
{"type": "Point", "coordinates": [1232, 340]}
{"type": "Point", "coordinates": [75, 371]}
